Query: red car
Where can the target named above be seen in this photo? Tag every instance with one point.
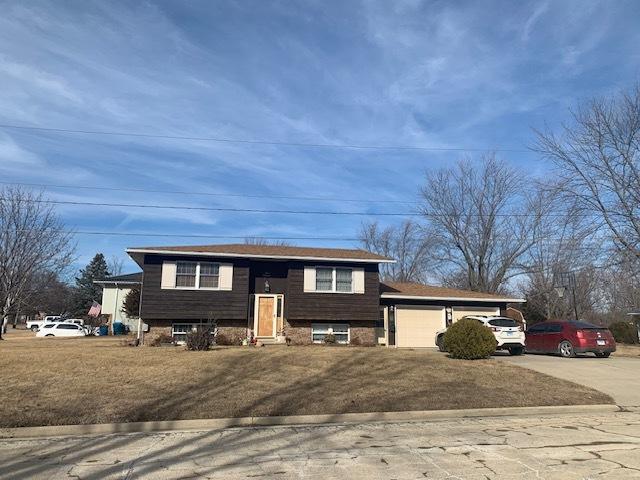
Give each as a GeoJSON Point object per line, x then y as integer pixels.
{"type": "Point", "coordinates": [569, 338]}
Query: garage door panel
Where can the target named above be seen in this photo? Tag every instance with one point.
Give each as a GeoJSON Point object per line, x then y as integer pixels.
{"type": "Point", "coordinates": [417, 327]}
{"type": "Point", "coordinates": [459, 312]}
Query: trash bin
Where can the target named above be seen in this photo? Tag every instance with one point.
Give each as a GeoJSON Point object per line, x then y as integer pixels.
{"type": "Point", "coordinates": [118, 328]}
{"type": "Point", "coordinates": [103, 330]}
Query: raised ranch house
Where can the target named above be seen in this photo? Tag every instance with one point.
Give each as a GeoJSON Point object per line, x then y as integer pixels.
{"type": "Point", "coordinates": [296, 293]}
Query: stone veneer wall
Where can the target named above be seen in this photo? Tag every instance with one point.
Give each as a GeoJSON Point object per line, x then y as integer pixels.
{"type": "Point", "coordinates": [228, 334]}
{"type": "Point", "coordinates": [361, 333]}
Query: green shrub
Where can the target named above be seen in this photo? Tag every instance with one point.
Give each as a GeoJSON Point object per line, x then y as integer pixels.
{"type": "Point", "coordinates": [469, 339]}
{"type": "Point", "coordinates": [624, 332]}
{"type": "Point", "coordinates": [199, 339]}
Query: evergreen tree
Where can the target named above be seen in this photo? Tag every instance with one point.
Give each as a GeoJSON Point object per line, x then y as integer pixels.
{"type": "Point", "coordinates": [86, 291]}
{"type": "Point", "coordinates": [131, 304]}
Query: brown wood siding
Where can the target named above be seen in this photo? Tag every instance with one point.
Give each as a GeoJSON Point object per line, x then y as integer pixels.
{"type": "Point", "coordinates": [193, 304]}
{"type": "Point", "coordinates": [301, 305]}
{"type": "Point", "coordinates": [274, 272]}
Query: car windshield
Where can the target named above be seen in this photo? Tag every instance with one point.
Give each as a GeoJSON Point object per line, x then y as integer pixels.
{"type": "Point", "coordinates": [586, 326]}
{"type": "Point", "coordinates": [49, 325]}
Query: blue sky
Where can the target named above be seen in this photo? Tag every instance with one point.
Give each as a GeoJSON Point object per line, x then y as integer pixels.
{"type": "Point", "coordinates": [432, 74]}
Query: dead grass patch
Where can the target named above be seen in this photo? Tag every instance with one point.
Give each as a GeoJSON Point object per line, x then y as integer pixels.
{"type": "Point", "coordinates": [623, 350]}
{"type": "Point", "coordinates": [96, 380]}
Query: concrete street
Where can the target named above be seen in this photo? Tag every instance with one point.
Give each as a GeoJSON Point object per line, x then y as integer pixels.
{"type": "Point", "coordinates": [616, 376]}
{"type": "Point", "coordinates": [593, 446]}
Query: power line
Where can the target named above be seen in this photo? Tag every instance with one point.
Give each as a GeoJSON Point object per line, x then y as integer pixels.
{"type": "Point", "coordinates": [227, 237]}
{"type": "Point", "coordinates": [277, 211]}
{"type": "Point", "coordinates": [218, 209]}
{"type": "Point", "coordinates": [211, 194]}
{"type": "Point", "coordinates": [264, 142]}
{"type": "Point", "coordinates": [547, 240]}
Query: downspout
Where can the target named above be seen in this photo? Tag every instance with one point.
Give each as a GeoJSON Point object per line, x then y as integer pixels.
{"type": "Point", "coordinates": [115, 309]}
{"type": "Point", "coordinates": [140, 332]}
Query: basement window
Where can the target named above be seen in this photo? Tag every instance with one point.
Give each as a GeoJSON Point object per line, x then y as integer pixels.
{"type": "Point", "coordinates": [319, 331]}
{"type": "Point", "coordinates": [180, 330]}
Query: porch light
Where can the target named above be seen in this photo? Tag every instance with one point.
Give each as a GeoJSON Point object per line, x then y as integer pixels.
{"type": "Point", "coordinates": [267, 287]}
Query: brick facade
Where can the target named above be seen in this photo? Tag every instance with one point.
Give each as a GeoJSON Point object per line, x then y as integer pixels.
{"type": "Point", "coordinates": [299, 331]}
{"type": "Point", "coordinates": [361, 333]}
{"type": "Point", "coordinates": [230, 332]}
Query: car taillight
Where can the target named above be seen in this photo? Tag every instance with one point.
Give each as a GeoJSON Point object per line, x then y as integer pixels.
{"type": "Point", "coordinates": [579, 334]}
{"type": "Point", "coordinates": [494, 329]}
{"type": "Point", "coordinates": [520, 328]}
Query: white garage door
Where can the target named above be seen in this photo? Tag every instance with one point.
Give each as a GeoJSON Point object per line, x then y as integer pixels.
{"type": "Point", "coordinates": [417, 326]}
{"type": "Point", "coordinates": [459, 312]}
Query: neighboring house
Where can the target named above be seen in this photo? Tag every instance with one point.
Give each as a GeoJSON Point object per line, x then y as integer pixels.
{"type": "Point", "coordinates": [114, 291]}
{"type": "Point", "coordinates": [303, 294]}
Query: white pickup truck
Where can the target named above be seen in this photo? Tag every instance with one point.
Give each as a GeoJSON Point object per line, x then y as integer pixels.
{"type": "Point", "coordinates": [34, 325]}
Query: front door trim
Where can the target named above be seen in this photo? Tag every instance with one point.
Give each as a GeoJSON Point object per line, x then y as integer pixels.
{"type": "Point", "coordinates": [256, 313]}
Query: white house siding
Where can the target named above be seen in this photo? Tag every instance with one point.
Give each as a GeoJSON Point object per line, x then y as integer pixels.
{"type": "Point", "coordinates": [112, 301]}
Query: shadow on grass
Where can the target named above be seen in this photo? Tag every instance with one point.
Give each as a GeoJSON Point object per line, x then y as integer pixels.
{"type": "Point", "coordinates": [337, 387]}
{"type": "Point", "coordinates": [226, 449]}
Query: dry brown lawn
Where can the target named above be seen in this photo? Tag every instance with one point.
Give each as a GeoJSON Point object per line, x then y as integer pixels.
{"type": "Point", "coordinates": [623, 350]}
{"type": "Point", "coordinates": [97, 380]}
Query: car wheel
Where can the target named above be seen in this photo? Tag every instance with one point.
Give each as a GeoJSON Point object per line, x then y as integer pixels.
{"type": "Point", "coordinates": [440, 343]}
{"type": "Point", "coordinates": [49, 335]}
{"type": "Point", "coordinates": [566, 349]}
{"type": "Point", "coordinates": [34, 329]}
{"type": "Point", "coordinates": [603, 354]}
{"type": "Point", "coordinates": [516, 351]}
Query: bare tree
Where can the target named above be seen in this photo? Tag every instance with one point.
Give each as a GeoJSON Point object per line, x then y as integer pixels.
{"type": "Point", "coordinates": [564, 245]}
{"type": "Point", "coordinates": [409, 244]}
{"type": "Point", "coordinates": [486, 216]}
{"type": "Point", "coordinates": [115, 265]}
{"type": "Point", "coordinates": [265, 241]}
{"type": "Point", "coordinates": [598, 162]}
{"type": "Point", "coordinates": [621, 286]}
{"type": "Point", "coordinates": [32, 239]}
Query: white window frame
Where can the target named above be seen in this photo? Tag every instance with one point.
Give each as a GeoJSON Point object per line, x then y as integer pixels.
{"type": "Point", "coordinates": [334, 282]}
{"type": "Point", "coordinates": [197, 285]}
{"type": "Point", "coordinates": [192, 327]}
{"type": "Point", "coordinates": [327, 328]}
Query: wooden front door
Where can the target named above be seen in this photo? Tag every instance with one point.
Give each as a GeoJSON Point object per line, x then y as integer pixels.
{"type": "Point", "coordinates": [266, 316]}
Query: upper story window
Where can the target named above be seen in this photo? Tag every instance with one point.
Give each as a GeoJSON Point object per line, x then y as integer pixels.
{"type": "Point", "coordinates": [186, 273]}
{"type": "Point", "coordinates": [324, 279]}
{"type": "Point", "coordinates": [330, 279]}
{"type": "Point", "coordinates": [209, 275]}
{"type": "Point", "coordinates": [344, 280]}
{"type": "Point", "coordinates": [197, 275]}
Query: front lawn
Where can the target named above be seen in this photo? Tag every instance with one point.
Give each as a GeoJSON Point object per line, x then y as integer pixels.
{"type": "Point", "coordinates": [97, 380]}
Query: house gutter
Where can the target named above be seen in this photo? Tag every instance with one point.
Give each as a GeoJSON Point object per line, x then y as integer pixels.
{"type": "Point", "coordinates": [453, 299]}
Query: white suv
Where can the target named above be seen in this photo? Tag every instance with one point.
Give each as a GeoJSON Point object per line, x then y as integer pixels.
{"type": "Point", "coordinates": [509, 335]}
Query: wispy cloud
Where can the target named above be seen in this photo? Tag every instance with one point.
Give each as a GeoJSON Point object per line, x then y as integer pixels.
{"type": "Point", "coordinates": [409, 72]}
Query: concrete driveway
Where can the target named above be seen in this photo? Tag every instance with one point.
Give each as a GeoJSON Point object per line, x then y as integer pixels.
{"type": "Point", "coordinates": [616, 376]}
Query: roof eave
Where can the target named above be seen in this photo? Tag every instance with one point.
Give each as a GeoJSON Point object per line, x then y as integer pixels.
{"type": "Point", "coordinates": [131, 251]}
{"type": "Point", "coordinates": [452, 299]}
